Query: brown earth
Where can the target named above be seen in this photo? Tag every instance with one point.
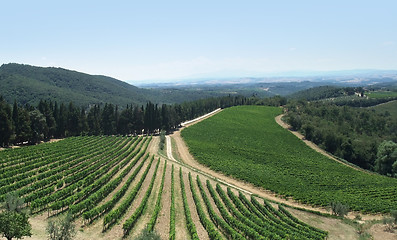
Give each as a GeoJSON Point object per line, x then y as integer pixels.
{"type": "Point", "coordinates": [379, 232]}
{"type": "Point", "coordinates": [162, 226]}
{"type": "Point", "coordinates": [201, 232]}
{"type": "Point", "coordinates": [181, 232]}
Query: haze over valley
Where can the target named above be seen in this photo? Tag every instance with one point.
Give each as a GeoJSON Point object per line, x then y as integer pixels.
{"type": "Point", "coordinates": [198, 120]}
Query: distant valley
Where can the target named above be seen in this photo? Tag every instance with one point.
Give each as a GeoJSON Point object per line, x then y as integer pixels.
{"type": "Point", "coordinates": [29, 84]}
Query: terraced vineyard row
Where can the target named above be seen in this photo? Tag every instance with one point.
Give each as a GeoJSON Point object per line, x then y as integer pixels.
{"type": "Point", "coordinates": [113, 185]}
{"type": "Point", "coordinates": [244, 220]}
{"type": "Point", "coordinates": [247, 143]}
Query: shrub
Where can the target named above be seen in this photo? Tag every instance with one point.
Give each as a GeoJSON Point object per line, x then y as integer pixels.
{"type": "Point", "coordinates": [62, 229]}
{"type": "Point", "coordinates": [339, 209]}
{"type": "Point", "coordinates": [148, 235]}
{"type": "Point", "coordinates": [162, 139]}
{"type": "Point", "coordinates": [389, 222]}
{"type": "Point", "coordinates": [393, 214]}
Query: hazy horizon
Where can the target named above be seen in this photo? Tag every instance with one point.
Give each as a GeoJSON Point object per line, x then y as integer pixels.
{"type": "Point", "coordinates": [143, 42]}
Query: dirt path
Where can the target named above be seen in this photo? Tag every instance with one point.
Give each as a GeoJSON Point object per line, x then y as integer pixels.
{"type": "Point", "coordinates": [162, 226]}
{"type": "Point", "coordinates": [146, 216]}
{"type": "Point", "coordinates": [311, 144]}
{"type": "Point", "coordinates": [169, 148]}
{"type": "Point", "coordinates": [379, 233]}
{"type": "Point", "coordinates": [181, 232]}
{"type": "Point", "coordinates": [190, 122]}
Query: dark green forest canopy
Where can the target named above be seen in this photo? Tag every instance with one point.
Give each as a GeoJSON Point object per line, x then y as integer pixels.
{"type": "Point", "coordinates": [353, 134]}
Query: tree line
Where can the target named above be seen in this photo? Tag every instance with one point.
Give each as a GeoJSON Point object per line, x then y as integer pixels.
{"type": "Point", "coordinates": [31, 124]}
{"type": "Point", "coordinates": [357, 135]}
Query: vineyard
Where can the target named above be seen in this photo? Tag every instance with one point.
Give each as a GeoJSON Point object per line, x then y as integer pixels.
{"type": "Point", "coordinates": [247, 143]}
{"type": "Point", "coordinates": [114, 187]}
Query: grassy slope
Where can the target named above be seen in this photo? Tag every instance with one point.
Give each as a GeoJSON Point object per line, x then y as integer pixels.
{"type": "Point", "coordinates": [247, 143]}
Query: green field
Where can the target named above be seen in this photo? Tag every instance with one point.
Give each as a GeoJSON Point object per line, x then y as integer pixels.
{"type": "Point", "coordinates": [247, 143]}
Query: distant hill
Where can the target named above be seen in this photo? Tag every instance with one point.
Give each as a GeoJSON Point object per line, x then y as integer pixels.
{"type": "Point", "coordinates": [29, 84]}
{"type": "Point", "coordinates": [317, 93]}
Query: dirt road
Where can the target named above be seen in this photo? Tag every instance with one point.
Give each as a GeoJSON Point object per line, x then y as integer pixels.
{"type": "Point", "coordinates": [169, 148]}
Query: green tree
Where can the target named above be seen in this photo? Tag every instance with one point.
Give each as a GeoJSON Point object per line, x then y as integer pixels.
{"type": "Point", "coordinates": [148, 235]}
{"type": "Point", "coordinates": [38, 125]}
{"type": "Point", "coordinates": [6, 126]}
{"type": "Point", "coordinates": [294, 121]}
{"type": "Point", "coordinates": [72, 123]}
{"type": "Point", "coordinates": [83, 123]}
{"type": "Point", "coordinates": [125, 121]}
{"type": "Point", "coordinates": [165, 118]}
{"type": "Point", "coordinates": [14, 223]}
{"type": "Point", "coordinates": [13, 203]}
{"type": "Point", "coordinates": [339, 209]}
{"type": "Point", "coordinates": [108, 120]}
{"type": "Point", "coordinates": [137, 121]}
{"type": "Point", "coordinates": [61, 120]}
{"type": "Point", "coordinates": [46, 109]}
{"type": "Point", "coordinates": [23, 131]}
{"type": "Point", "coordinates": [15, 116]}
{"type": "Point", "coordinates": [331, 142]}
{"type": "Point", "coordinates": [393, 214]}
{"type": "Point", "coordinates": [61, 229]}
{"type": "Point", "coordinates": [162, 139]}
{"type": "Point", "coordinates": [386, 158]}
{"type": "Point", "coordinates": [308, 131]}
{"type": "Point", "coordinates": [94, 120]}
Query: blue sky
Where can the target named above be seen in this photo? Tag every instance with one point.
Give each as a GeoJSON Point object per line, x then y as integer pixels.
{"type": "Point", "coordinates": [158, 40]}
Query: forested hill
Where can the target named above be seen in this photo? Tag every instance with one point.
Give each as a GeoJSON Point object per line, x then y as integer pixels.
{"type": "Point", "coordinates": [30, 84]}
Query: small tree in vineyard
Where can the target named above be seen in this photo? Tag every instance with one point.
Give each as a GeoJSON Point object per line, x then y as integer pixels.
{"type": "Point", "coordinates": [61, 229]}
{"type": "Point", "coordinates": [339, 209]}
{"type": "Point", "coordinates": [162, 139]}
{"type": "Point", "coordinates": [148, 235]}
{"type": "Point", "coordinates": [14, 223]}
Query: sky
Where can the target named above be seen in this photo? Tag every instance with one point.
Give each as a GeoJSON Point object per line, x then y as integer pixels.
{"type": "Point", "coordinates": [151, 41]}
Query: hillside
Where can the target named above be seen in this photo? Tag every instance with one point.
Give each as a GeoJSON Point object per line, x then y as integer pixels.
{"type": "Point", "coordinates": [30, 84]}
{"type": "Point", "coordinates": [113, 189]}
{"type": "Point", "coordinates": [389, 108]}
{"type": "Point", "coordinates": [246, 142]}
